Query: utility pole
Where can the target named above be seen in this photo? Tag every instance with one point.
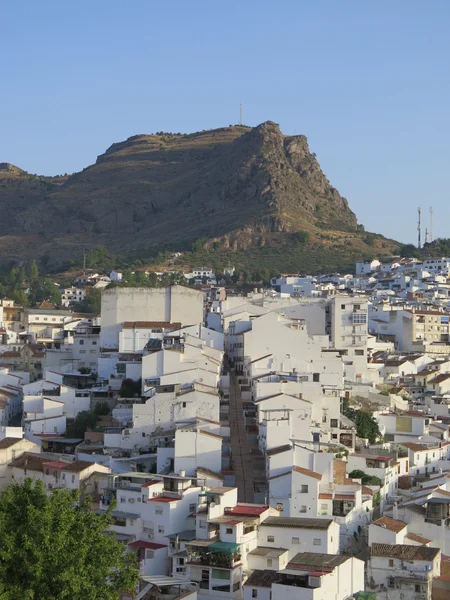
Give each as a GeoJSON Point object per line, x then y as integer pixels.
{"type": "Point", "coordinates": [431, 224]}
{"type": "Point", "coordinates": [84, 262]}
{"type": "Point", "coordinates": [419, 229]}
{"type": "Point", "coordinates": [240, 113]}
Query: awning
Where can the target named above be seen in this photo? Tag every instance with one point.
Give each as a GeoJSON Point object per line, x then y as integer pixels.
{"type": "Point", "coordinates": [224, 547]}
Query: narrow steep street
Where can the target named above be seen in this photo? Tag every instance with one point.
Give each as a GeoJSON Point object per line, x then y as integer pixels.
{"type": "Point", "coordinates": [242, 461]}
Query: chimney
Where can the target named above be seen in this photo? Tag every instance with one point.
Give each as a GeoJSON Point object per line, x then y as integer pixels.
{"type": "Point", "coordinates": [182, 473]}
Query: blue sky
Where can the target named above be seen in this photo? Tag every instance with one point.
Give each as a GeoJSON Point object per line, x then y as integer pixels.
{"type": "Point", "coordinates": [367, 82]}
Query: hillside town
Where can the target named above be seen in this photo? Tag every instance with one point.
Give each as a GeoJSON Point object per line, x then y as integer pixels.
{"type": "Point", "coordinates": [291, 441]}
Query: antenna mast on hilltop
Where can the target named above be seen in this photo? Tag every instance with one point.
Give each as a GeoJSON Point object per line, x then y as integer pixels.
{"type": "Point", "coordinates": [419, 229]}
{"type": "Point", "coordinates": [431, 224]}
{"type": "Point", "coordinates": [426, 235]}
{"type": "Point", "coordinates": [240, 113]}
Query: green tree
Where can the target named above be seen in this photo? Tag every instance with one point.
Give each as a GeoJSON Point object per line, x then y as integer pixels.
{"type": "Point", "coordinates": [33, 271]}
{"type": "Point", "coordinates": [265, 275]}
{"type": "Point", "coordinates": [44, 289]}
{"type": "Point", "coordinates": [365, 478]}
{"type": "Point", "coordinates": [53, 547]}
{"type": "Point", "coordinates": [302, 237]}
{"type": "Point", "coordinates": [92, 303]}
{"type": "Point", "coordinates": [19, 297]}
{"type": "Point", "coordinates": [366, 425]}
{"type": "Point", "coordinates": [409, 251]}
{"type": "Point", "coordinates": [153, 280]}
{"type": "Point", "coordinates": [77, 428]}
{"type": "Point", "coordinates": [100, 258]}
{"type": "Point", "coordinates": [102, 408]}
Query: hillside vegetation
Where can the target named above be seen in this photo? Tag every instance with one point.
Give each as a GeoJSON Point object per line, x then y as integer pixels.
{"type": "Point", "coordinates": [236, 193]}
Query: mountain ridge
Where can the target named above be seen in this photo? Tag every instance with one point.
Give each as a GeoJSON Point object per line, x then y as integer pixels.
{"type": "Point", "coordinates": [234, 187]}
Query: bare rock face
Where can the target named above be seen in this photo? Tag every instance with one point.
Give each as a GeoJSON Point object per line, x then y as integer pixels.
{"type": "Point", "coordinates": [154, 189]}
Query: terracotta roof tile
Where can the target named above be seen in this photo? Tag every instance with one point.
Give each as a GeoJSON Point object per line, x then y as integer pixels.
{"type": "Point", "coordinates": [307, 472]}
{"type": "Point", "coordinates": [390, 524]}
{"type": "Point", "coordinates": [404, 552]}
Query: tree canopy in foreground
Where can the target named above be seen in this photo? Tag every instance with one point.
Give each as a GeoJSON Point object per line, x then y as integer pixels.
{"type": "Point", "coordinates": [53, 548]}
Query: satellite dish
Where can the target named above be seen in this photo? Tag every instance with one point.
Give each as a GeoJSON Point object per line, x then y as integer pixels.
{"type": "Point", "coordinates": [212, 504]}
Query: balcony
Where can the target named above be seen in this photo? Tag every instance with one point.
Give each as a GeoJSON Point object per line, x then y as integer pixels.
{"type": "Point", "coordinates": [217, 554]}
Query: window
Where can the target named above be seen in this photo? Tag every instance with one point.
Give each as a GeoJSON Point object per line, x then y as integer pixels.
{"type": "Point", "coordinates": [143, 434]}
{"type": "Point", "coordinates": [391, 562]}
{"type": "Point", "coordinates": [359, 318]}
{"type": "Point", "coordinates": [317, 542]}
{"type": "Point", "coordinates": [304, 489]}
{"type": "Point", "coordinates": [316, 377]}
{"type": "Point", "coordinates": [254, 593]}
{"type": "Point", "coordinates": [149, 554]}
{"type": "Point", "coordinates": [94, 343]}
{"type": "Point", "coordinates": [333, 423]}
{"type": "Point", "coordinates": [202, 524]}
{"type": "Point", "coordinates": [270, 538]}
{"type": "Point", "coordinates": [359, 352]}
{"type": "Point", "coordinates": [81, 342]}
{"type": "Point", "coordinates": [357, 306]}
{"type": "Point", "coordinates": [159, 510]}
{"type": "Point", "coordinates": [295, 540]}
{"type": "Point", "coordinates": [73, 478]}
{"type": "Point", "coordinates": [219, 574]}
{"type": "Point", "coordinates": [192, 508]}
{"type": "Point", "coordinates": [342, 306]}
{"type": "Point", "coordinates": [334, 436]}
{"type": "Point", "coordinates": [123, 499]}
{"type": "Point", "coordinates": [160, 529]}
{"type": "Point", "coordinates": [269, 562]}
{"type": "Point", "coordinates": [302, 509]}
{"type": "Point", "coordinates": [229, 530]}
{"type": "Point", "coordinates": [184, 404]}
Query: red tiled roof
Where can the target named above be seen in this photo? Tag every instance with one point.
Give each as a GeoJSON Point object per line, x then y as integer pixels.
{"type": "Point", "coordinates": [144, 544]}
{"type": "Point", "coordinates": [390, 524]}
{"type": "Point", "coordinates": [417, 538]}
{"type": "Point", "coordinates": [247, 510]}
{"type": "Point", "coordinates": [56, 464]}
{"type": "Point", "coordinates": [164, 499]}
{"type": "Point", "coordinates": [150, 483]}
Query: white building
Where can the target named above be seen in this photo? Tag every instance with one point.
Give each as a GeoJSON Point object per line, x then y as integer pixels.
{"type": "Point", "coordinates": [309, 576]}
{"type": "Point", "coordinates": [176, 304]}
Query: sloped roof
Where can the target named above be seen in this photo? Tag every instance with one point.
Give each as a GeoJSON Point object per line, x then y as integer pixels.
{"type": "Point", "coordinates": [390, 524]}
{"type": "Point", "coordinates": [404, 552]}
{"type": "Point", "coordinates": [297, 523]}
{"type": "Point", "coordinates": [307, 472]}
{"type": "Point", "coordinates": [8, 442]}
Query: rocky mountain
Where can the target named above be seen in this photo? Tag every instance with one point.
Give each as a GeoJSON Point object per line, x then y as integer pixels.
{"type": "Point", "coordinates": [234, 187]}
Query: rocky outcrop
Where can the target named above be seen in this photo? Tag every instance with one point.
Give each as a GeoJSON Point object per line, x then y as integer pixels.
{"type": "Point", "coordinates": [160, 189]}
